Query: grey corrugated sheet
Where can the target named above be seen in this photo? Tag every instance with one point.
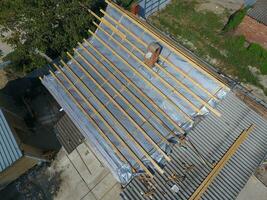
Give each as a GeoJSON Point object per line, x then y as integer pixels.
{"type": "Point", "coordinates": [68, 134]}
{"type": "Point", "coordinates": [212, 137]}
{"type": "Point", "coordinates": [259, 11]}
{"type": "Point", "coordinates": [9, 149]}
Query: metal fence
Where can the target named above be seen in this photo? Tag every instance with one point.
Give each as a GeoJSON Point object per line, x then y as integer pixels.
{"type": "Point", "coordinates": [149, 7]}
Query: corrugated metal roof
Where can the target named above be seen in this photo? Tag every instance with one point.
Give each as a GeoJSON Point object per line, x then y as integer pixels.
{"type": "Point", "coordinates": [212, 137]}
{"type": "Point", "coordinates": [259, 11]}
{"type": "Point", "coordinates": [9, 149]}
{"type": "Point", "coordinates": [68, 134]}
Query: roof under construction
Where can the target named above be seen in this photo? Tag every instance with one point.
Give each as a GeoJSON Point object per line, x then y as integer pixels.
{"type": "Point", "coordinates": [212, 137]}
{"type": "Point", "coordinates": [133, 114]}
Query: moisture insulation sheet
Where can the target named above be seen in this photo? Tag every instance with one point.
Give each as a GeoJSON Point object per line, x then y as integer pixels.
{"type": "Point", "coordinates": [149, 100]}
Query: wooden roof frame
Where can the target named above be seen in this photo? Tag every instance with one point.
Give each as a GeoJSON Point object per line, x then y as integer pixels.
{"type": "Point", "coordinates": [147, 28]}
{"type": "Point", "coordinates": [65, 77]}
{"type": "Point", "coordinates": [124, 38]}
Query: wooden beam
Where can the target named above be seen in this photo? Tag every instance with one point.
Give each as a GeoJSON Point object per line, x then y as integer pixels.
{"type": "Point", "coordinates": [118, 93]}
{"type": "Point", "coordinates": [174, 67]}
{"type": "Point", "coordinates": [124, 88]}
{"type": "Point", "coordinates": [114, 148]}
{"type": "Point", "coordinates": [88, 75]}
{"type": "Point", "coordinates": [196, 109]}
{"type": "Point", "coordinates": [111, 116]}
{"type": "Point", "coordinates": [141, 75]}
{"type": "Point", "coordinates": [204, 103]}
{"type": "Point", "coordinates": [219, 166]}
{"type": "Point", "coordinates": [119, 33]}
{"type": "Point", "coordinates": [165, 40]}
{"type": "Point", "coordinates": [135, 87]}
{"type": "Point", "coordinates": [125, 145]}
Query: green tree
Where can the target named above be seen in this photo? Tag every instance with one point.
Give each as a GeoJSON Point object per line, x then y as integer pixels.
{"type": "Point", "coordinates": [43, 27]}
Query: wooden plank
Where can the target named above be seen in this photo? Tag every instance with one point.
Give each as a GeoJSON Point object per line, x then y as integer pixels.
{"type": "Point", "coordinates": [15, 170]}
{"type": "Point", "coordinates": [174, 79]}
{"type": "Point", "coordinates": [165, 40]}
{"type": "Point", "coordinates": [118, 93]}
{"type": "Point", "coordinates": [119, 33]}
{"type": "Point", "coordinates": [141, 76]}
{"type": "Point", "coordinates": [125, 88]}
{"type": "Point", "coordinates": [110, 99]}
{"type": "Point", "coordinates": [136, 88]}
{"type": "Point", "coordinates": [196, 109]}
{"type": "Point", "coordinates": [174, 67]}
{"type": "Point", "coordinates": [114, 148]}
{"type": "Point", "coordinates": [219, 166]}
{"type": "Point", "coordinates": [112, 117]}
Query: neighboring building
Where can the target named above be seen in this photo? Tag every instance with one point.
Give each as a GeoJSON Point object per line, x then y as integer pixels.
{"type": "Point", "coordinates": [16, 157]}
{"type": "Point", "coordinates": [254, 24]}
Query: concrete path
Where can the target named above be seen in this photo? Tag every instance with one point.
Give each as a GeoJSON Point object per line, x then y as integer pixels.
{"type": "Point", "coordinates": [254, 189]}
{"type": "Point", "coordinates": [83, 177]}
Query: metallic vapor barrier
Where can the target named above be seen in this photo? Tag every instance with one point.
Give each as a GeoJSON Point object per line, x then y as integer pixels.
{"type": "Point", "coordinates": [161, 95]}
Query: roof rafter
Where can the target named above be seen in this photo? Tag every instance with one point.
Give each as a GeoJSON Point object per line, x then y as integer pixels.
{"type": "Point", "coordinates": [111, 99]}
{"type": "Point", "coordinates": [106, 81]}
{"type": "Point", "coordinates": [135, 87]}
{"type": "Point", "coordinates": [117, 31]}
{"type": "Point", "coordinates": [124, 88]}
{"type": "Point", "coordinates": [118, 124]}
{"type": "Point", "coordinates": [173, 78]}
{"type": "Point", "coordinates": [141, 76]}
{"type": "Point", "coordinates": [115, 149]}
{"type": "Point", "coordinates": [166, 41]}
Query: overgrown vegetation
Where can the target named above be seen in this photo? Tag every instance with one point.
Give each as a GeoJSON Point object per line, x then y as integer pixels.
{"type": "Point", "coordinates": [203, 33]}
{"type": "Point", "coordinates": [125, 3]}
{"type": "Point", "coordinates": [235, 19]}
{"type": "Point", "coordinates": [43, 28]}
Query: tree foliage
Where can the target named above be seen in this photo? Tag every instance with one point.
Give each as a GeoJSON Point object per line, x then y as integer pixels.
{"type": "Point", "coordinates": [49, 26]}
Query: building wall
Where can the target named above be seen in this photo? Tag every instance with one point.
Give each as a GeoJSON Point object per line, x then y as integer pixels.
{"type": "Point", "coordinates": [253, 31]}
{"type": "Point", "coordinates": [31, 155]}
{"type": "Point", "coordinates": [16, 170]}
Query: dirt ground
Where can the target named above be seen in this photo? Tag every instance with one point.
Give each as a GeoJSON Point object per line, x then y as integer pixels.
{"type": "Point", "coordinates": [218, 6]}
{"type": "Point", "coordinates": [4, 50]}
{"type": "Point", "coordinates": [37, 184]}
{"type": "Point", "coordinates": [76, 176]}
{"type": "Point", "coordinates": [3, 79]}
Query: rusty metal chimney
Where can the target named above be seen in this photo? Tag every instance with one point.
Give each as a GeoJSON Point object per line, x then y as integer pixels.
{"type": "Point", "coordinates": [152, 55]}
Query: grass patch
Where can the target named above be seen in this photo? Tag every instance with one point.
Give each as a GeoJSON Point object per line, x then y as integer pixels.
{"type": "Point", "coordinates": [126, 3]}
{"type": "Point", "coordinates": [235, 19]}
{"type": "Point", "coordinates": [205, 31]}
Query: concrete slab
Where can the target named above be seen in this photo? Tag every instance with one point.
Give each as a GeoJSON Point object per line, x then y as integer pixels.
{"type": "Point", "coordinates": [89, 196]}
{"type": "Point", "coordinates": [113, 193]}
{"type": "Point", "coordinates": [254, 189]}
{"type": "Point", "coordinates": [83, 177]}
{"type": "Point", "coordinates": [80, 166]}
{"type": "Point", "coordinates": [98, 172]}
{"type": "Point", "coordinates": [104, 186]}
{"type": "Point", "coordinates": [72, 186]}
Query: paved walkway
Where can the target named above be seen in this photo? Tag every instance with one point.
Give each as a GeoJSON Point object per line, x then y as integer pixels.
{"type": "Point", "coordinates": [254, 189]}
{"type": "Point", "coordinates": [83, 177]}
